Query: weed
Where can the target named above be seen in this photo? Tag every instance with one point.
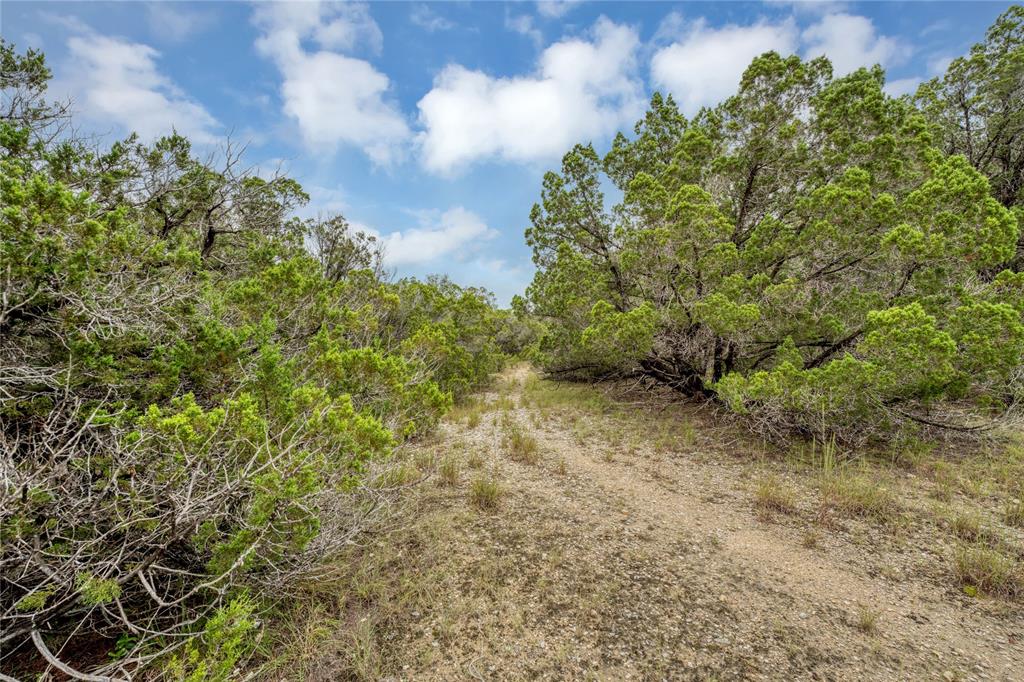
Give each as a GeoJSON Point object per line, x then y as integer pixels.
{"type": "Point", "coordinates": [521, 446]}
{"type": "Point", "coordinates": [473, 419]}
{"type": "Point", "coordinates": [858, 495]}
{"type": "Point", "coordinates": [485, 493]}
{"type": "Point", "coordinates": [987, 570]}
{"type": "Point", "coordinates": [773, 495]}
{"type": "Point", "coordinates": [866, 619]}
{"type": "Point", "coordinates": [448, 471]}
{"type": "Point", "coordinates": [474, 460]}
{"type": "Point", "coordinates": [561, 468]}
{"type": "Point", "coordinates": [1013, 513]}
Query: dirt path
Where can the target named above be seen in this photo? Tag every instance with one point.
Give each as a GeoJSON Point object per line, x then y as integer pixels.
{"type": "Point", "coordinates": [607, 561]}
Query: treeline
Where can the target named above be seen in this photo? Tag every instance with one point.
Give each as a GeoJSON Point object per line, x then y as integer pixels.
{"type": "Point", "coordinates": [194, 389]}
{"type": "Point", "coordinates": [812, 253]}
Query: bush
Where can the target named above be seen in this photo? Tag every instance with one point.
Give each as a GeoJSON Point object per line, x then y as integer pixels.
{"type": "Point", "coordinates": [802, 253]}
{"type": "Point", "coordinates": [191, 400]}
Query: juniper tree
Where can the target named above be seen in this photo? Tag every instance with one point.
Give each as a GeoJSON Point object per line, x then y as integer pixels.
{"type": "Point", "coordinates": [803, 253]}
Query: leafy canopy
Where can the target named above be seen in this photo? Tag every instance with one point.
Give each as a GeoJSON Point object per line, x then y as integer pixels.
{"type": "Point", "coordinates": [804, 253]}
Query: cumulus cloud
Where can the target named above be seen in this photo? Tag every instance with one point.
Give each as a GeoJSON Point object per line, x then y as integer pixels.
{"type": "Point", "coordinates": [850, 42]}
{"type": "Point", "coordinates": [335, 99]}
{"type": "Point", "coordinates": [111, 80]}
{"type": "Point", "coordinates": [705, 64]}
{"type": "Point", "coordinates": [583, 88]}
{"type": "Point", "coordinates": [457, 232]}
{"type": "Point", "coordinates": [902, 86]}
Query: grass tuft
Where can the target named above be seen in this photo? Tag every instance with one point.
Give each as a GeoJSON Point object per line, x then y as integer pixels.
{"type": "Point", "coordinates": [771, 494]}
{"type": "Point", "coordinates": [859, 495]}
{"type": "Point", "coordinates": [985, 569]}
{"type": "Point", "coordinates": [448, 471]}
{"type": "Point", "coordinates": [866, 620]}
{"type": "Point", "coordinates": [1013, 513]}
{"type": "Point", "coordinates": [521, 445]}
{"type": "Point", "coordinates": [485, 493]}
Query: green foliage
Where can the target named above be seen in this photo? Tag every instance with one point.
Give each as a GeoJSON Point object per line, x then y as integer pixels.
{"type": "Point", "coordinates": [974, 109]}
{"type": "Point", "coordinates": [228, 636]}
{"type": "Point", "coordinates": [803, 252]}
{"type": "Point", "coordinates": [196, 384]}
{"type": "Point", "coordinates": [97, 591]}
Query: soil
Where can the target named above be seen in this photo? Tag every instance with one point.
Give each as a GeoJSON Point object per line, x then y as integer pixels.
{"type": "Point", "coordinates": [608, 559]}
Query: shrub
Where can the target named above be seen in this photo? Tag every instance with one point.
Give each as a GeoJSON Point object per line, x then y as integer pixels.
{"type": "Point", "coordinates": [192, 399]}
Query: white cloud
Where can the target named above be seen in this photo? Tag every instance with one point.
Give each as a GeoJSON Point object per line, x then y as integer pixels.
{"type": "Point", "coordinates": [851, 42]}
{"type": "Point", "coordinates": [457, 232]}
{"type": "Point", "coordinates": [937, 65]}
{"type": "Point", "coordinates": [428, 19]}
{"type": "Point", "coordinates": [334, 98]}
{"type": "Point", "coordinates": [523, 25]}
{"type": "Point", "coordinates": [582, 89]}
{"type": "Point", "coordinates": [902, 86]}
{"type": "Point", "coordinates": [33, 40]}
{"type": "Point", "coordinates": [555, 9]}
{"type": "Point", "coordinates": [497, 275]}
{"type": "Point", "coordinates": [176, 22]}
{"type": "Point", "coordinates": [810, 7]}
{"type": "Point", "coordinates": [115, 81]}
{"type": "Point", "coordinates": [705, 65]}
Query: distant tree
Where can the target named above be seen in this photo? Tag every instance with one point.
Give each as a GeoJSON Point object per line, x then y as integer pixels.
{"type": "Point", "coordinates": [977, 109]}
{"type": "Point", "coordinates": [801, 253]}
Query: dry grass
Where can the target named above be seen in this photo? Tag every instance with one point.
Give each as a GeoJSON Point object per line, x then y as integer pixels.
{"type": "Point", "coordinates": [981, 568]}
{"type": "Point", "coordinates": [859, 495]}
{"type": "Point", "coordinates": [545, 395]}
{"type": "Point", "coordinates": [1013, 513]}
{"type": "Point", "coordinates": [810, 538]}
{"type": "Point", "coordinates": [773, 495]}
{"type": "Point", "coordinates": [448, 471]}
{"type": "Point", "coordinates": [485, 493]}
{"type": "Point", "coordinates": [519, 443]}
{"type": "Point", "coordinates": [474, 460]}
{"type": "Point", "coordinates": [866, 619]}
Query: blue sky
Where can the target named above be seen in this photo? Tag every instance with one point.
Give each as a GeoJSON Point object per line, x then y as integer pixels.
{"type": "Point", "coordinates": [432, 124]}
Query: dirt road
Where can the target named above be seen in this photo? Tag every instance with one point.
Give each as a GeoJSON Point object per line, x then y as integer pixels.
{"type": "Point", "coordinates": [610, 558]}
